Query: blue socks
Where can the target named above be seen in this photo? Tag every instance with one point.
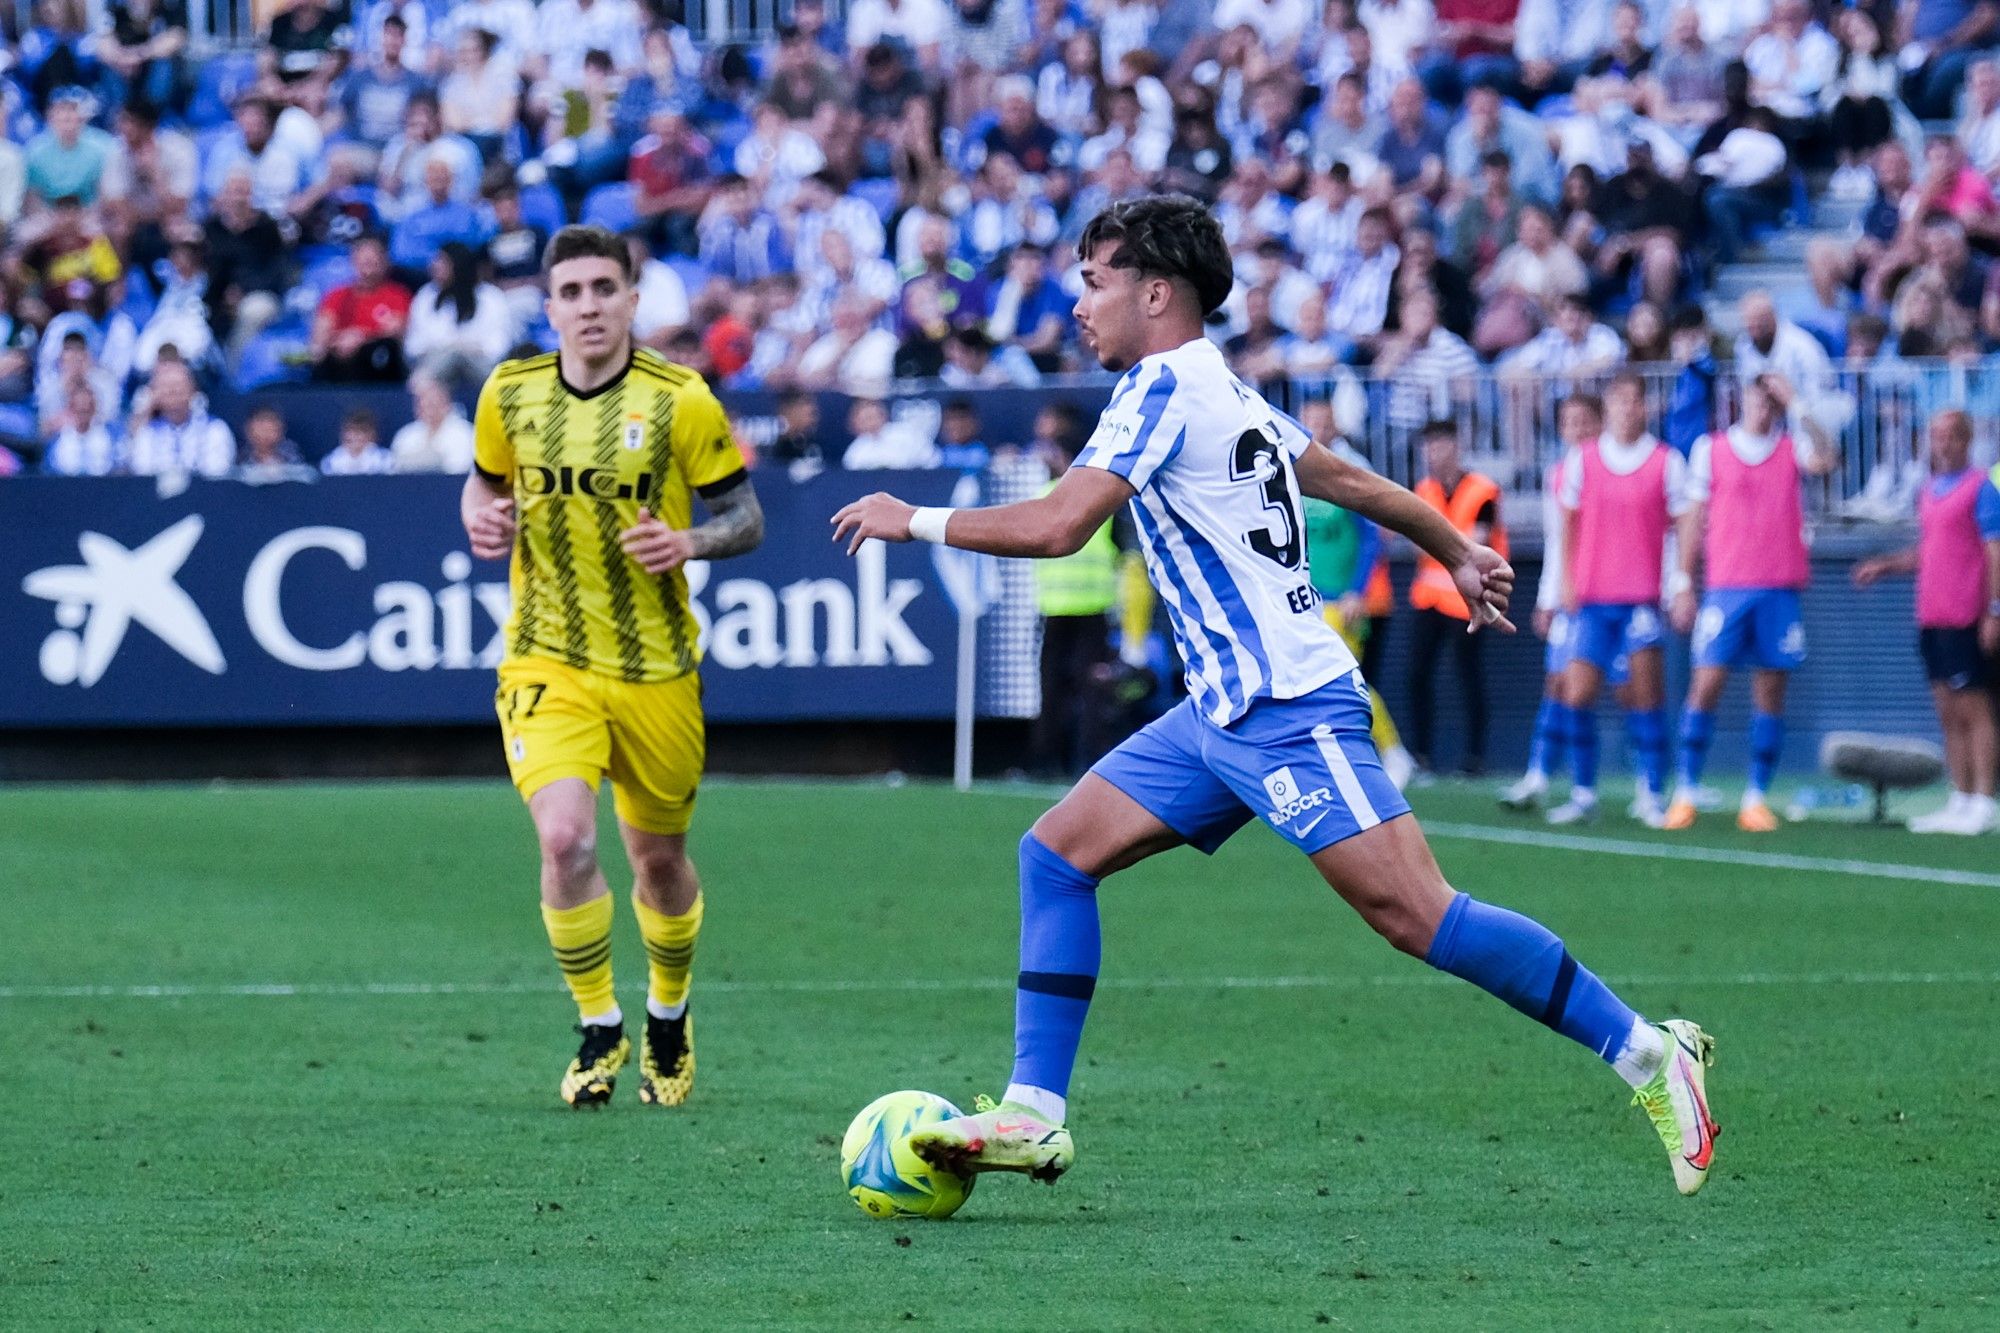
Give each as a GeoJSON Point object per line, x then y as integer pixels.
{"type": "Point", "coordinates": [1060, 951]}
{"type": "Point", "coordinates": [1767, 739]}
{"type": "Point", "coordinates": [1583, 745]}
{"type": "Point", "coordinates": [1697, 730]}
{"type": "Point", "coordinates": [1518, 960]}
{"type": "Point", "coordinates": [1649, 738]}
{"type": "Point", "coordinates": [1545, 751]}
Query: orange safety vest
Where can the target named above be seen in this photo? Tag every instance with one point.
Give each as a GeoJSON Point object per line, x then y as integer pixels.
{"type": "Point", "coordinates": [1432, 589]}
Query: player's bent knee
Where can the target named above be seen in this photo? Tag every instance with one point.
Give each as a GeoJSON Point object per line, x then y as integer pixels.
{"type": "Point", "coordinates": [568, 843]}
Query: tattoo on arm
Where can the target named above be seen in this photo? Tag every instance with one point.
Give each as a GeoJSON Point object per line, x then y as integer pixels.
{"type": "Point", "coordinates": [736, 520]}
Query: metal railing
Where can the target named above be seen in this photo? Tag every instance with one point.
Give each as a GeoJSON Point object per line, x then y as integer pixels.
{"type": "Point", "coordinates": [1507, 424]}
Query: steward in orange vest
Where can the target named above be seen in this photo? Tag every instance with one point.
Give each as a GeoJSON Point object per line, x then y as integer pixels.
{"type": "Point", "coordinates": [1473, 502]}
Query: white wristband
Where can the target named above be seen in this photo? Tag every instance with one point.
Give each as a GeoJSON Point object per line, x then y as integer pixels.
{"type": "Point", "coordinates": [927, 525]}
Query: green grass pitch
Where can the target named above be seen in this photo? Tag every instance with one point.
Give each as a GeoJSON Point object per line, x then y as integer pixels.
{"type": "Point", "coordinates": [1281, 1123]}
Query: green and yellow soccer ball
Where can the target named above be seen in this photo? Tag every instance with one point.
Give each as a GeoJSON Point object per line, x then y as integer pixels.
{"type": "Point", "coordinates": [880, 1172]}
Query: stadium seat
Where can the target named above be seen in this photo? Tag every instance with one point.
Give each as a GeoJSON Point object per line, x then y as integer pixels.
{"type": "Point", "coordinates": [611, 206]}
{"type": "Point", "coordinates": [542, 207]}
{"type": "Point", "coordinates": [694, 274]}
{"type": "Point", "coordinates": [217, 82]}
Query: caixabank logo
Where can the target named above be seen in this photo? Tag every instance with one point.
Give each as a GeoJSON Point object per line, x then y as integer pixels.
{"type": "Point", "coordinates": [99, 601]}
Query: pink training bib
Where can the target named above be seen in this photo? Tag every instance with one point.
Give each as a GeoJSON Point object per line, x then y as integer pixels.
{"type": "Point", "coordinates": [1951, 561]}
{"type": "Point", "coordinates": [1756, 519]}
{"type": "Point", "coordinates": [1621, 531]}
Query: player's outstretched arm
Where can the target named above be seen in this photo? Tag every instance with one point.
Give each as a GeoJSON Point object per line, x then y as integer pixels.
{"type": "Point", "coordinates": [1482, 576]}
{"type": "Point", "coordinates": [1055, 524]}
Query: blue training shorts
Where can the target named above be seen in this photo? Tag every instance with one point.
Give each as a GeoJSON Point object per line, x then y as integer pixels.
{"type": "Point", "coordinates": [1607, 634]}
{"type": "Point", "coordinates": [1306, 765]}
{"type": "Point", "coordinates": [1750, 627]}
{"type": "Point", "coordinates": [1562, 645]}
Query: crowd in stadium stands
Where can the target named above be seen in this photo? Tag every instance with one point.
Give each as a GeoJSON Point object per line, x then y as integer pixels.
{"type": "Point", "coordinates": [1424, 187]}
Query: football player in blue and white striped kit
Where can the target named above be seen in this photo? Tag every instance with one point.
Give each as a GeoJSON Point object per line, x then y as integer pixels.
{"type": "Point", "coordinates": [1276, 722]}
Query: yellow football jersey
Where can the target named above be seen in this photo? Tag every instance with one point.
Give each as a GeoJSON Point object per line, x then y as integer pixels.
{"type": "Point", "coordinates": [581, 465]}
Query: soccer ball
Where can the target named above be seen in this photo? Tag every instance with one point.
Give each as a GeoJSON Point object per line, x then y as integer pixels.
{"type": "Point", "coordinates": [880, 1172]}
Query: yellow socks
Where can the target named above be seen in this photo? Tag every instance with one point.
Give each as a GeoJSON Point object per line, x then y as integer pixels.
{"type": "Point", "coordinates": [669, 954]}
{"type": "Point", "coordinates": [581, 939]}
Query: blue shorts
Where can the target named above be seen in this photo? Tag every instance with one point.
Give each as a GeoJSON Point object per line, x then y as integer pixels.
{"type": "Point", "coordinates": [1306, 765]}
{"type": "Point", "coordinates": [1607, 635]}
{"type": "Point", "coordinates": [1750, 627]}
{"type": "Point", "coordinates": [1952, 657]}
{"type": "Point", "coordinates": [1561, 650]}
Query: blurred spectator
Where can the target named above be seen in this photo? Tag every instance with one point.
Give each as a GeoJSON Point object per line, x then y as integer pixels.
{"type": "Point", "coordinates": [1690, 412]}
{"type": "Point", "coordinates": [1771, 345]}
{"type": "Point", "coordinates": [818, 207]}
{"type": "Point", "coordinates": [358, 333]}
{"type": "Point", "coordinates": [513, 255]}
{"type": "Point", "coordinates": [68, 158]}
{"type": "Point", "coordinates": [1486, 224]}
{"type": "Point", "coordinates": [1030, 311]}
{"type": "Point", "coordinates": [72, 266]}
{"type": "Point", "coordinates": [797, 445]}
{"type": "Point", "coordinates": [663, 299]}
{"type": "Point", "coordinates": [971, 361]}
{"type": "Point", "coordinates": [480, 99]}
{"type": "Point", "coordinates": [1555, 44]}
{"type": "Point", "coordinates": [1346, 131]}
{"type": "Point", "coordinates": [740, 239]}
{"type": "Point", "coordinates": [960, 442]}
{"type": "Point", "coordinates": [1858, 101]}
{"type": "Point", "coordinates": [669, 168]}
{"type": "Point", "coordinates": [56, 51]}
{"type": "Point", "coordinates": [1255, 348]}
{"type": "Point", "coordinates": [150, 170]}
{"type": "Point", "coordinates": [145, 49]}
{"type": "Point", "coordinates": [731, 340]}
{"type": "Point", "coordinates": [1412, 143]}
{"type": "Point", "coordinates": [1937, 40]}
{"type": "Point", "coordinates": [1527, 283]}
{"type": "Point", "coordinates": [439, 438]}
{"type": "Point", "coordinates": [1573, 346]}
{"type": "Point", "coordinates": [1471, 503]}
{"type": "Point", "coordinates": [1978, 129]}
{"type": "Point", "coordinates": [1250, 210]}
{"type": "Point", "coordinates": [1473, 44]}
{"type": "Point", "coordinates": [1068, 89]}
{"type": "Point", "coordinates": [1748, 185]}
{"type": "Point", "coordinates": [1422, 270]}
{"type": "Point", "coordinates": [775, 157]}
{"type": "Point", "coordinates": [1002, 213]}
{"type": "Point", "coordinates": [269, 455]}
{"type": "Point", "coordinates": [440, 220]}
{"type": "Point", "coordinates": [1645, 215]}
{"type": "Point", "coordinates": [512, 21]}
{"type": "Point", "coordinates": [360, 452]}
{"type": "Point", "coordinates": [247, 265]}
{"type": "Point", "coordinates": [1019, 132]}
{"type": "Point", "coordinates": [72, 370]}
{"type": "Point", "coordinates": [180, 313]}
{"type": "Point", "coordinates": [917, 26]}
{"type": "Point", "coordinates": [311, 39]}
{"type": "Point", "coordinates": [587, 141]}
{"type": "Point", "coordinates": [1429, 368]}
{"type": "Point", "coordinates": [838, 271]}
{"type": "Point", "coordinates": [854, 356]}
{"type": "Point", "coordinates": [879, 443]}
{"type": "Point", "coordinates": [1684, 87]}
{"type": "Point", "coordinates": [803, 77]}
{"type": "Point", "coordinates": [401, 174]}
{"type": "Point", "coordinates": [13, 183]}
{"type": "Point", "coordinates": [82, 440]}
{"type": "Point", "coordinates": [1646, 337]}
{"type": "Point", "coordinates": [459, 327]}
{"type": "Point", "coordinates": [568, 32]}
{"type": "Point", "coordinates": [955, 292]}
{"type": "Point", "coordinates": [1492, 127]}
{"type": "Point", "coordinates": [172, 431]}
{"type": "Point", "coordinates": [1951, 185]}
{"type": "Point", "coordinates": [1199, 158]}
{"type": "Point", "coordinates": [1360, 284]}
{"type": "Point", "coordinates": [1278, 24]}
{"type": "Point", "coordinates": [373, 99]}
{"type": "Point", "coordinates": [1792, 62]}
{"type": "Point", "coordinates": [278, 175]}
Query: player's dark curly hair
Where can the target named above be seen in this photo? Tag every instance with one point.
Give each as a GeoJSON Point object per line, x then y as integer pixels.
{"type": "Point", "coordinates": [1166, 236]}
{"type": "Point", "coordinates": [587, 241]}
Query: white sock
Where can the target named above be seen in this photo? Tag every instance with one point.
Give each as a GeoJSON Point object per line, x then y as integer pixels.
{"type": "Point", "coordinates": [1958, 804]}
{"type": "Point", "coordinates": [658, 1010]}
{"type": "Point", "coordinates": [610, 1018]}
{"type": "Point", "coordinates": [1041, 1101]}
{"type": "Point", "coordinates": [1583, 795]}
{"type": "Point", "coordinates": [1645, 1048]}
{"type": "Point", "coordinates": [1752, 797]}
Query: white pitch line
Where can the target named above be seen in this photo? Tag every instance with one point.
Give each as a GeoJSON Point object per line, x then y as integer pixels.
{"type": "Point", "coordinates": [1714, 855]}
{"type": "Point", "coordinates": [381, 989]}
{"type": "Point", "coordinates": [1570, 842]}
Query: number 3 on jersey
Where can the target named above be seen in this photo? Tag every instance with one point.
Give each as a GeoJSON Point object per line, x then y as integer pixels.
{"type": "Point", "coordinates": [1258, 458]}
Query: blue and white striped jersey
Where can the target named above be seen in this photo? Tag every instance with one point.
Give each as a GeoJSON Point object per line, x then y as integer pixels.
{"type": "Point", "coordinates": [1222, 528]}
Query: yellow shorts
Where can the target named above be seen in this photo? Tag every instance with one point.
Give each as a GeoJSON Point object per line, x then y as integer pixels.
{"type": "Point", "coordinates": [559, 722]}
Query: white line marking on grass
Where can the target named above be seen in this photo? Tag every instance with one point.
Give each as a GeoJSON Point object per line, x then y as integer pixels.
{"type": "Point", "coordinates": [1569, 842]}
{"type": "Point", "coordinates": [382, 989]}
{"type": "Point", "coordinates": [1715, 855]}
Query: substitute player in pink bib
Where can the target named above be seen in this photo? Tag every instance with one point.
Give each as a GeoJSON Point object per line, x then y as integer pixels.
{"type": "Point", "coordinates": [1954, 595]}
{"type": "Point", "coordinates": [1621, 494]}
{"type": "Point", "coordinates": [1744, 532]}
